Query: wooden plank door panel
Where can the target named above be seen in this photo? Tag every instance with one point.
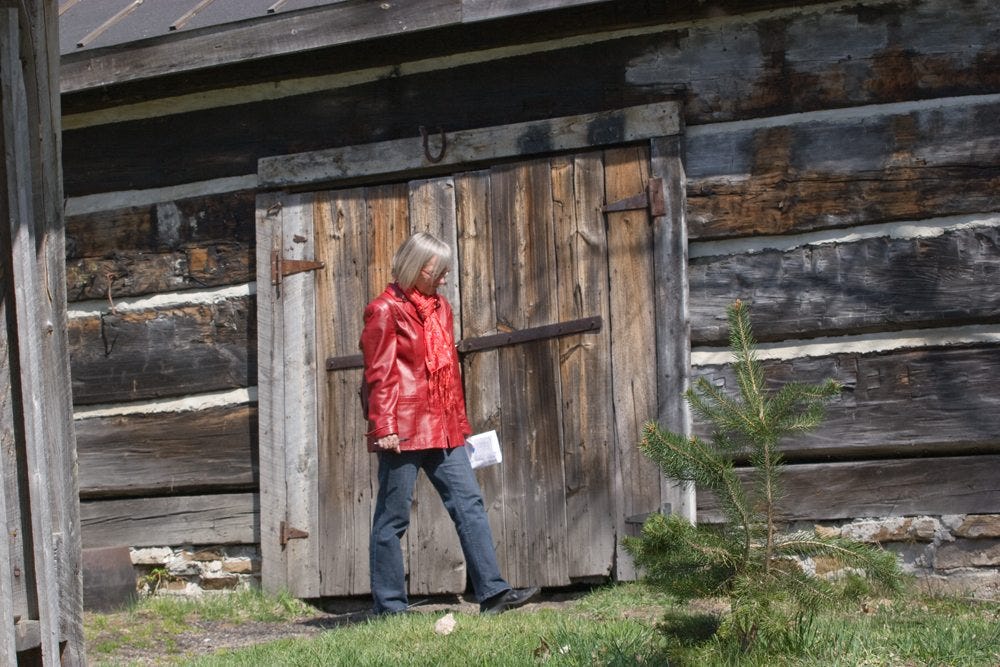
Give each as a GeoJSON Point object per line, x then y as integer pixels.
{"type": "Point", "coordinates": [524, 265]}
{"type": "Point", "coordinates": [633, 353]}
{"type": "Point", "coordinates": [288, 404]}
{"type": "Point", "coordinates": [270, 391]}
{"type": "Point", "coordinates": [584, 363]}
{"type": "Point", "coordinates": [346, 468]}
{"type": "Point", "coordinates": [478, 318]}
{"type": "Point", "coordinates": [436, 563]}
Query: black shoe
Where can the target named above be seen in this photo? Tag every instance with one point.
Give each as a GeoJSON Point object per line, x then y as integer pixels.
{"type": "Point", "coordinates": [509, 599]}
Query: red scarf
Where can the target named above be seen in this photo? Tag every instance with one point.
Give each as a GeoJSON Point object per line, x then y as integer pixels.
{"type": "Point", "coordinates": [438, 351]}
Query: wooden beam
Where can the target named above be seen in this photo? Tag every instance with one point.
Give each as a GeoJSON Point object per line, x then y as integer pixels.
{"type": "Point", "coordinates": [673, 329]}
{"type": "Point", "coordinates": [403, 157]}
{"type": "Point", "coordinates": [29, 136]}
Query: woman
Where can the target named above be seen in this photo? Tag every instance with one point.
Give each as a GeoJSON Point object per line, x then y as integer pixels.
{"type": "Point", "coordinates": [417, 420]}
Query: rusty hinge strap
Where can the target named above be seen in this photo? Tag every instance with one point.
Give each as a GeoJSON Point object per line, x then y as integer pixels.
{"type": "Point", "coordinates": [281, 267]}
{"type": "Point", "coordinates": [652, 199]}
{"type": "Point", "coordinates": [480, 343]}
{"type": "Point", "coordinates": [289, 533]}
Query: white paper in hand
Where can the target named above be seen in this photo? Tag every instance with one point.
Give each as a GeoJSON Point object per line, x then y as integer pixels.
{"type": "Point", "coordinates": [484, 449]}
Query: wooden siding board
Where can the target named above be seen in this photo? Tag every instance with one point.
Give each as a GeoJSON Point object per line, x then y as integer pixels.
{"type": "Point", "coordinates": [135, 355]}
{"type": "Point", "coordinates": [903, 487]}
{"type": "Point", "coordinates": [875, 284]}
{"type": "Point", "coordinates": [434, 553]}
{"type": "Point", "coordinates": [633, 350]}
{"type": "Point", "coordinates": [584, 364]}
{"type": "Point", "coordinates": [346, 485]}
{"type": "Point", "coordinates": [217, 519]}
{"type": "Point", "coordinates": [524, 264]}
{"type": "Point", "coordinates": [910, 402]}
{"type": "Point", "coordinates": [168, 453]}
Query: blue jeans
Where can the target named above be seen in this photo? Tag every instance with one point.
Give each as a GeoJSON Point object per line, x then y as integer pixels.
{"type": "Point", "coordinates": [452, 476]}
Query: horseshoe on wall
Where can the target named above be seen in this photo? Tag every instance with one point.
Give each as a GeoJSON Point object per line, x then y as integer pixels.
{"type": "Point", "coordinates": [427, 152]}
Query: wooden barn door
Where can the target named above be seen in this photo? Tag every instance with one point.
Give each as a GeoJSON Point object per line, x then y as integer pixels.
{"type": "Point", "coordinates": [555, 313]}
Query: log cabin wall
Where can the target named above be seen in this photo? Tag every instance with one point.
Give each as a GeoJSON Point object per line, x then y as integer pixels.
{"type": "Point", "coordinates": [842, 171]}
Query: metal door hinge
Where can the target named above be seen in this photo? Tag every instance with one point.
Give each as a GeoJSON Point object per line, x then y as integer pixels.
{"type": "Point", "coordinates": [652, 199]}
{"type": "Point", "coordinates": [639, 519]}
{"type": "Point", "coordinates": [281, 267]}
{"type": "Point", "coordinates": [289, 533]}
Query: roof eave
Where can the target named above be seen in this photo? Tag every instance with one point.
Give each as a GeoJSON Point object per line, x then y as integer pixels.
{"type": "Point", "coordinates": [339, 24]}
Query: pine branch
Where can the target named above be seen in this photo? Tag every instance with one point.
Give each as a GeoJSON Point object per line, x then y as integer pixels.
{"type": "Point", "coordinates": [749, 373]}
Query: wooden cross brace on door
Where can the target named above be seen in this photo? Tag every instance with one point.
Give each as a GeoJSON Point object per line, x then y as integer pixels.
{"type": "Point", "coordinates": [492, 341]}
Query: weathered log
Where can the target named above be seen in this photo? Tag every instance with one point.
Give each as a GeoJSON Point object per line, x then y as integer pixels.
{"type": "Point", "coordinates": [875, 284]}
{"type": "Point", "coordinates": [195, 242]}
{"type": "Point", "coordinates": [228, 518]}
{"type": "Point", "coordinates": [828, 491]}
{"type": "Point", "coordinates": [168, 453]}
{"type": "Point", "coordinates": [126, 274]}
{"type": "Point", "coordinates": [163, 352]}
{"type": "Point", "coordinates": [938, 401]}
{"type": "Point", "coordinates": [862, 168]}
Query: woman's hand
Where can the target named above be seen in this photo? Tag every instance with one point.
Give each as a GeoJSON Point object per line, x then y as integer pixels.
{"type": "Point", "coordinates": [389, 443]}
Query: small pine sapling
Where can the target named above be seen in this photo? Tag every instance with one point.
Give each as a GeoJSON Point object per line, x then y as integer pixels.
{"type": "Point", "coordinates": [747, 557]}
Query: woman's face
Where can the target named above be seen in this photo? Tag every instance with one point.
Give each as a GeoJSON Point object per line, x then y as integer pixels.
{"type": "Point", "coordinates": [428, 279]}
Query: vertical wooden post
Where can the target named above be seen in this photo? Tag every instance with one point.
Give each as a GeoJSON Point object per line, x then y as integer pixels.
{"type": "Point", "coordinates": [36, 363]}
{"type": "Point", "coordinates": [270, 395]}
{"type": "Point", "coordinates": [673, 328]}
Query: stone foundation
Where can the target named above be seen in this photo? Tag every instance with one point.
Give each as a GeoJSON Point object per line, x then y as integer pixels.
{"type": "Point", "coordinates": [956, 554]}
{"type": "Point", "coordinates": [191, 572]}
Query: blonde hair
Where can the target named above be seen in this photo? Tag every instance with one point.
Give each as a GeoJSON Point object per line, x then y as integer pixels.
{"type": "Point", "coordinates": [415, 253]}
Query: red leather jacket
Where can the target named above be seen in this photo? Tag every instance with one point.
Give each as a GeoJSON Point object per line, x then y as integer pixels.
{"type": "Point", "coordinates": [392, 343]}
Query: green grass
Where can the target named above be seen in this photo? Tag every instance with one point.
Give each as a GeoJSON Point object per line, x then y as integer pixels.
{"type": "Point", "coordinates": [627, 624]}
